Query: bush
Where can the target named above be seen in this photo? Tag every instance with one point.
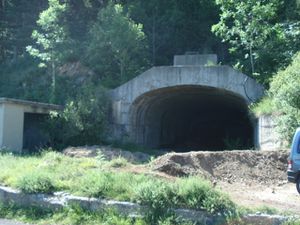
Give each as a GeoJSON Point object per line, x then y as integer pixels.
{"type": "Point", "coordinates": [285, 90]}
{"type": "Point", "coordinates": [95, 184]}
{"type": "Point", "coordinates": [83, 120]}
{"type": "Point", "coordinates": [36, 182]}
{"type": "Point", "coordinates": [192, 192]}
{"type": "Point", "coordinates": [158, 196]}
{"type": "Point", "coordinates": [196, 193]}
{"type": "Point", "coordinates": [264, 107]}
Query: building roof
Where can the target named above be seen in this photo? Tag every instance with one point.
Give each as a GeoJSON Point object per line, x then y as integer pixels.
{"type": "Point", "coordinates": [30, 103]}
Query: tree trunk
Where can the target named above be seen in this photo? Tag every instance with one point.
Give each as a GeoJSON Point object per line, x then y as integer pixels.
{"type": "Point", "coordinates": [251, 60]}
{"type": "Point", "coordinates": [153, 40]}
{"type": "Point", "coordinates": [53, 83]}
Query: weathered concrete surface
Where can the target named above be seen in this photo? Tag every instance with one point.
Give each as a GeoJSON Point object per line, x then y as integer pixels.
{"type": "Point", "coordinates": [268, 137]}
{"type": "Point", "coordinates": [11, 222]}
{"type": "Point", "coordinates": [195, 60]}
{"type": "Point", "coordinates": [60, 200]}
{"type": "Point", "coordinates": [151, 93]}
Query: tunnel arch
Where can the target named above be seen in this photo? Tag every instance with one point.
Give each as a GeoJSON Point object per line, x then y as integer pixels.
{"type": "Point", "coordinates": [191, 117]}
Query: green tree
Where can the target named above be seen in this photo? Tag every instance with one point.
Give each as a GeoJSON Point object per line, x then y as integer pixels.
{"type": "Point", "coordinates": [50, 39]}
{"type": "Point", "coordinates": [17, 20]}
{"type": "Point", "coordinates": [175, 27]}
{"type": "Point", "coordinates": [247, 25]}
{"type": "Point", "coordinates": [285, 90]}
{"type": "Point", "coordinates": [116, 47]}
{"type": "Point", "coordinates": [83, 120]}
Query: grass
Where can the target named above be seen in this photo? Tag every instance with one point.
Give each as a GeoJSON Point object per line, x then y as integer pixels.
{"type": "Point", "coordinates": [95, 177]}
{"type": "Point", "coordinates": [77, 216]}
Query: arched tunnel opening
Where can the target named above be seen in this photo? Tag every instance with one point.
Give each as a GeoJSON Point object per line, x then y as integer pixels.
{"type": "Point", "coordinates": [186, 118]}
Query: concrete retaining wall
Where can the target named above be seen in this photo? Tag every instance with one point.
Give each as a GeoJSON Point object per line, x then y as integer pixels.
{"type": "Point", "coordinates": [268, 137]}
{"type": "Point", "coordinates": [62, 199]}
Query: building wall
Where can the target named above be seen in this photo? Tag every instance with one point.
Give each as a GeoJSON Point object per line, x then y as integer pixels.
{"type": "Point", "coordinates": [12, 136]}
{"type": "Point", "coordinates": [12, 120]}
{"type": "Point", "coordinates": [1, 125]}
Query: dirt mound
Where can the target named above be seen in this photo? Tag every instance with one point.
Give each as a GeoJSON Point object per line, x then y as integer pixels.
{"type": "Point", "coordinates": [263, 167]}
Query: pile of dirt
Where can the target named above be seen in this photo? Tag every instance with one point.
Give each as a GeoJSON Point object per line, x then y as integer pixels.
{"type": "Point", "coordinates": [260, 167]}
{"type": "Point", "coordinates": [107, 152]}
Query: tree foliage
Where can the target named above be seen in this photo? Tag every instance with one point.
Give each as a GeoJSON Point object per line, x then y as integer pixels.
{"type": "Point", "coordinates": [83, 120]}
{"type": "Point", "coordinates": [260, 32]}
{"type": "Point", "coordinates": [17, 20]}
{"type": "Point", "coordinates": [175, 27]}
{"type": "Point", "coordinates": [247, 25]}
{"type": "Point", "coordinates": [285, 90]}
{"type": "Point", "coordinates": [50, 39]}
{"type": "Point", "coordinates": [116, 48]}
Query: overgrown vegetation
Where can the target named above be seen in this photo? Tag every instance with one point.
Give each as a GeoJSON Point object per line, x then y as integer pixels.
{"type": "Point", "coordinates": [83, 121]}
{"type": "Point", "coordinates": [285, 91]}
{"type": "Point", "coordinates": [116, 40]}
{"type": "Point", "coordinates": [73, 215]}
{"type": "Point", "coordinates": [76, 216]}
{"type": "Point", "coordinates": [97, 178]}
{"type": "Point", "coordinates": [264, 107]}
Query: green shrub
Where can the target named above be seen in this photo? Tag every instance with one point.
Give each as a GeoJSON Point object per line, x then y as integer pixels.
{"type": "Point", "coordinates": [192, 192]}
{"type": "Point", "coordinates": [36, 182]}
{"type": "Point", "coordinates": [264, 107]}
{"type": "Point", "coordinates": [94, 184]}
{"type": "Point", "coordinates": [158, 196]}
{"type": "Point", "coordinates": [83, 120]}
{"type": "Point", "coordinates": [196, 193]}
{"type": "Point", "coordinates": [285, 90]}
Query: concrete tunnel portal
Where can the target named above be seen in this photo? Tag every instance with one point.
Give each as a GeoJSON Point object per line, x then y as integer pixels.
{"type": "Point", "coordinates": [192, 117]}
{"type": "Point", "coordinates": [187, 106]}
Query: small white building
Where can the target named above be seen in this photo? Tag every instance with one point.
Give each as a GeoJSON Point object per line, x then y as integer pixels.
{"type": "Point", "coordinates": [20, 122]}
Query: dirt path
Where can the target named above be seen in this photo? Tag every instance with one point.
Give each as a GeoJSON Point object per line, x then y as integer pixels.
{"type": "Point", "coordinates": [284, 198]}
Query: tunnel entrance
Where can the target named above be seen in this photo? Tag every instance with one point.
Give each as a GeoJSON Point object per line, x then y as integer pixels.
{"type": "Point", "coordinates": [186, 118]}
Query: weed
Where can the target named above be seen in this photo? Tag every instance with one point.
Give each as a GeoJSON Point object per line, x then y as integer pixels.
{"type": "Point", "coordinates": [118, 162]}
{"type": "Point", "coordinates": [36, 182]}
{"type": "Point", "coordinates": [158, 196]}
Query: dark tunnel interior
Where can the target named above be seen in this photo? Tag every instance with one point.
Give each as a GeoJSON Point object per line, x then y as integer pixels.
{"type": "Point", "coordinates": [186, 118]}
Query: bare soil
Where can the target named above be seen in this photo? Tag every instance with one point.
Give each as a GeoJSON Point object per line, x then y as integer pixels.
{"type": "Point", "coordinates": [251, 178]}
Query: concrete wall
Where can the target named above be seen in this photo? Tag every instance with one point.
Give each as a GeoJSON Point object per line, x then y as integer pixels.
{"type": "Point", "coordinates": [268, 137]}
{"type": "Point", "coordinates": [12, 136]}
{"type": "Point", "coordinates": [158, 78]}
{"type": "Point", "coordinates": [12, 120]}
{"type": "Point", "coordinates": [1, 122]}
{"type": "Point", "coordinates": [192, 60]}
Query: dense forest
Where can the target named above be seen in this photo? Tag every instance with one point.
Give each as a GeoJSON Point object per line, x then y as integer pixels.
{"type": "Point", "coordinates": [69, 51]}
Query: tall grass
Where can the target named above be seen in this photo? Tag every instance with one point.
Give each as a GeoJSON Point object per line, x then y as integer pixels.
{"type": "Point", "coordinates": [94, 177]}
